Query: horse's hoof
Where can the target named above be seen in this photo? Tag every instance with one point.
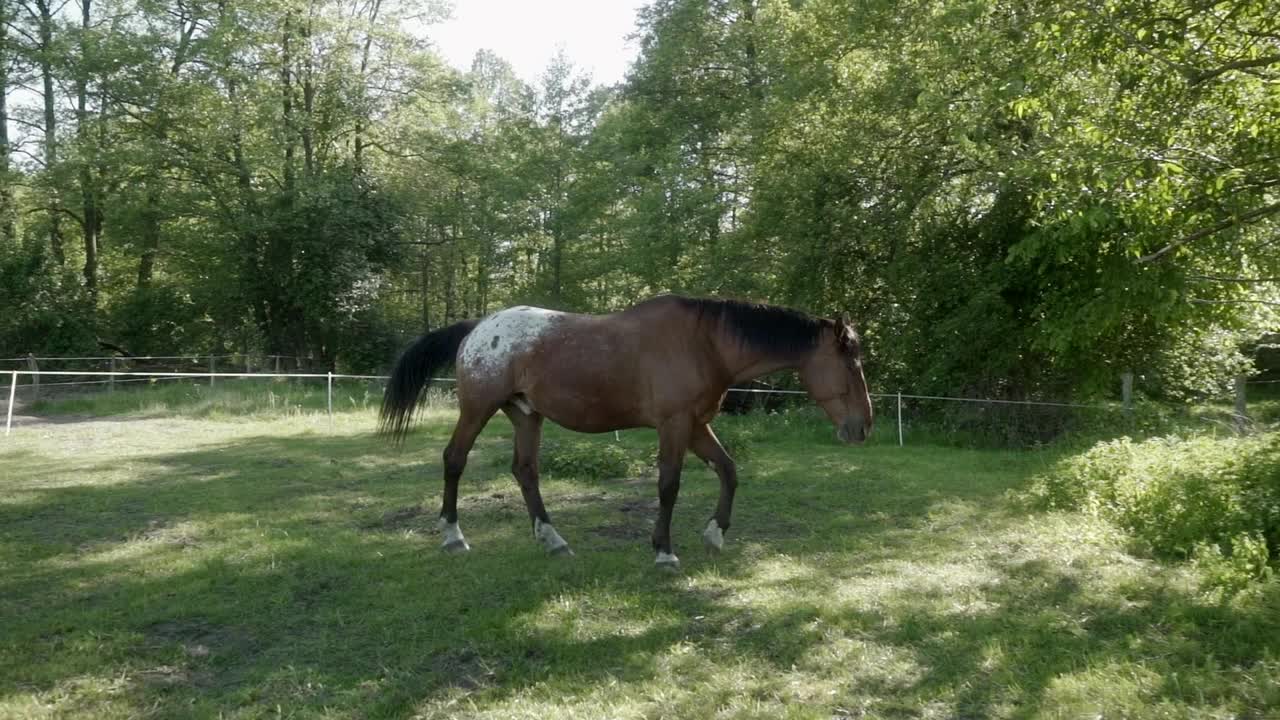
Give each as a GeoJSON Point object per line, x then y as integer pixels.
{"type": "Point", "coordinates": [713, 538]}
{"type": "Point", "coordinates": [456, 547]}
{"type": "Point", "coordinates": [667, 562]}
{"type": "Point", "coordinates": [562, 551]}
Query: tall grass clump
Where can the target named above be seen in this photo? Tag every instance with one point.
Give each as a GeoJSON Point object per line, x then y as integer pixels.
{"type": "Point", "coordinates": [1215, 501]}
{"type": "Point", "coordinates": [591, 458]}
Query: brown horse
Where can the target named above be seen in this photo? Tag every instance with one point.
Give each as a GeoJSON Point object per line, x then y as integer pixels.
{"type": "Point", "coordinates": [665, 363]}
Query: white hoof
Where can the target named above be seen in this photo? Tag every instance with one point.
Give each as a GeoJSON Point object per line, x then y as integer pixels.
{"type": "Point", "coordinates": [550, 539]}
{"type": "Point", "coordinates": [668, 562]}
{"type": "Point", "coordinates": [713, 537]}
{"type": "Point", "coordinates": [453, 540]}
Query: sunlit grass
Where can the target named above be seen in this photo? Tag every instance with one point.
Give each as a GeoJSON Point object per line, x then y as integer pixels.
{"type": "Point", "coordinates": [219, 557]}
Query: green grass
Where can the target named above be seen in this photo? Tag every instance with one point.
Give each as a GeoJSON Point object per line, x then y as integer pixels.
{"type": "Point", "coordinates": [228, 398]}
{"type": "Point", "coordinates": [193, 556]}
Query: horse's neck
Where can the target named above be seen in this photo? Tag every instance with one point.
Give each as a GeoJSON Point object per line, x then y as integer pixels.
{"type": "Point", "coordinates": [745, 364]}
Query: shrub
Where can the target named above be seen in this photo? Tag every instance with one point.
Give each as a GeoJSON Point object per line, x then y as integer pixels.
{"type": "Point", "coordinates": [1234, 570]}
{"type": "Point", "coordinates": [590, 459]}
{"type": "Point", "coordinates": [1217, 500]}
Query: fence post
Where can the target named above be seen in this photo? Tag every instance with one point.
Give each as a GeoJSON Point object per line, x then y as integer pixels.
{"type": "Point", "coordinates": [329, 393]}
{"type": "Point", "coordinates": [35, 377]}
{"type": "Point", "coordinates": [1242, 416]}
{"type": "Point", "coordinates": [899, 418]}
{"type": "Point", "coordinates": [13, 390]}
{"type": "Point", "coordinates": [111, 381]}
{"type": "Point", "coordinates": [1126, 390]}
{"type": "Point", "coordinates": [212, 369]}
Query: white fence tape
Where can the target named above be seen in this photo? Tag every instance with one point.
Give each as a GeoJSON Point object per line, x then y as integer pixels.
{"type": "Point", "coordinates": [330, 377]}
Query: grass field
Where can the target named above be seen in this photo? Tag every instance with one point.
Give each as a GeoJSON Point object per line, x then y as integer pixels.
{"type": "Point", "coordinates": [195, 555]}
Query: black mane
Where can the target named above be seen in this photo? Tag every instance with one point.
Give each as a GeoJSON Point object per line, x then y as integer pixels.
{"type": "Point", "coordinates": [764, 328]}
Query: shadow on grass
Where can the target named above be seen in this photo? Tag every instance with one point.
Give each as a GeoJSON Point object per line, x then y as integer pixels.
{"type": "Point", "coordinates": [301, 572]}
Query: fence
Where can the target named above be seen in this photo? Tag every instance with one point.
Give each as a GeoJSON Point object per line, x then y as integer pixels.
{"type": "Point", "coordinates": [252, 364]}
{"type": "Point", "coordinates": [1038, 427]}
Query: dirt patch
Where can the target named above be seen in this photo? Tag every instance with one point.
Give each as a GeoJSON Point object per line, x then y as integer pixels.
{"type": "Point", "coordinates": [635, 521]}
{"type": "Point", "coordinates": [397, 519]}
{"type": "Point", "coordinates": [622, 531]}
{"type": "Point", "coordinates": [464, 668]}
{"type": "Point", "coordinates": [165, 676]}
{"type": "Point", "coordinates": [160, 530]}
{"type": "Point", "coordinates": [635, 481]}
{"type": "Point", "coordinates": [647, 506]}
{"type": "Point", "coordinates": [199, 641]}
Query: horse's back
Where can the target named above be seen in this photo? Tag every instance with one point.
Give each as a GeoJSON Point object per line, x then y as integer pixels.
{"type": "Point", "coordinates": [490, 349]}
{"type": "Point", "coordinates": [591, 373]}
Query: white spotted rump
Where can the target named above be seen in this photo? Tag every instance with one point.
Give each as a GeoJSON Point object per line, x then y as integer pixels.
{"type": "Point", "coordinates": [489, 347]}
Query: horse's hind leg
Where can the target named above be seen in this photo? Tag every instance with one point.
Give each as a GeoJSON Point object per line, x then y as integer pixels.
{"type": "Point", "coordinates": [524, 466]}
{"type": "Point", "coordinates": [708, 448]}
{"type": "Point", "coordinates": [470, 423]}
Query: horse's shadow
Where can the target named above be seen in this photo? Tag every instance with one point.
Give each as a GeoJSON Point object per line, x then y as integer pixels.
{"type": "Point", "coordinates": [303, 572]}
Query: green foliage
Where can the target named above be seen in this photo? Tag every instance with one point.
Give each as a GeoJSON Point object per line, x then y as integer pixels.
{"type": "Point", "coordinates": [315, 265]}
{"type": "Point", "coordinates": [367, 343]}
{"type": "Point", "coordinates": [44, 309]}
{"type": "Point", "coordinates": [1243, 564]}
{"type": "Point", "coordinates": [155, 319]}
{"type": "Point", "coordinates": [1097, 195]}
{"type": "Point", "coordinates": [584, 459]}
{"type": "Point", "coordinates": [1181, 497]}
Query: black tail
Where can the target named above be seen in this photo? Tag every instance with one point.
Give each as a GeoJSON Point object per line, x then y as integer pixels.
{"type": "Point", "coordinates": [413, 372]}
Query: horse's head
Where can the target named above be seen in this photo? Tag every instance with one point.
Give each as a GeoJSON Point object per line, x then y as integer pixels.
{"type": "Point", "coordinates": [833, 376]}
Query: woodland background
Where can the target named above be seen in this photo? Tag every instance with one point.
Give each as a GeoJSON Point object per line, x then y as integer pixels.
{"type": "Point", "coordinates": [1014, 198]}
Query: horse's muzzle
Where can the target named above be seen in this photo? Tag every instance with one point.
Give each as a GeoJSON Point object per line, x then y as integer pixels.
{"type": "Point", "coordinates": [852, 433]}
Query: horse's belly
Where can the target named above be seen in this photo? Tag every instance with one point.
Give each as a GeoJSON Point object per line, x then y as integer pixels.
{"type": "Point", "coordinates": [585, 412]}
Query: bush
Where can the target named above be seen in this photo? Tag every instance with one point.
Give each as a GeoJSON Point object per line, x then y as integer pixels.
{"type": "Point", "coordinates": [1234, 570]}
{"type": "Point", "coordinates": [588, 459]}
{"type": "Point", "coordinates": [156, 320]}
{"type": "Point", "coordinates": [46, 311]}
{"type": "Point", "coordinates": [1217, 500]}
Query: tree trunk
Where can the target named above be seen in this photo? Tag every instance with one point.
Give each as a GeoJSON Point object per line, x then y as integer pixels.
{"type": "Point", "coordinates": [364, 71]}
{"type": "Point", "coordinates": [8, 231]}
{"type": "Point", "coordinates": [426, 289]}
{"type": "Point", "coordinates": [450, 270]}
{"type": "Point", "coordinates": [308, 99]}
{"type": "Point", "coordinates": [151, 213]}
{"type": "Point", "coordinates": [286, 93]}
{"type": "Point", "coordinates": [557, 233]}
{"type": "Point", "coordinates": [150, 232]}
{"type": "Point", "coordinates": [88, 197]}
{"type": "Point", "coordinates": [50, 125]}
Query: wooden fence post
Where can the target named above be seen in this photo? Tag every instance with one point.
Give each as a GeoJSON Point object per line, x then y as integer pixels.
{"type": "Point", "coordinates": [213, 367]}
{"type": "Point", "coordinates": [1126, 390]}
{"type": "Point", "coordinates": [111, 379]}
{"type": "Point", "coordinates": [35, 379]}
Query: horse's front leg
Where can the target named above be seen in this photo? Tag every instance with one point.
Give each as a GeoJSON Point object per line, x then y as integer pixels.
{"type": "Point", "coordinates": [673, 442]}
{"type": "Point", "coordinates": [708, 448]}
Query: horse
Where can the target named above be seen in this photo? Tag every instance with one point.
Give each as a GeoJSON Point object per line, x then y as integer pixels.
{"type": "Point", "coordinates": [664, 363]}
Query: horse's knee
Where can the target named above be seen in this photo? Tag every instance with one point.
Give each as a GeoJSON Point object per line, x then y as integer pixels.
{"type": "Point", "coordinates": [729, 474]}
{"type": "Point", "coordinates": [668, 487]}
{"type": "Point", "coordinates": [454, 462]}
{"type": "Point", "coordinates": [524, 468]}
